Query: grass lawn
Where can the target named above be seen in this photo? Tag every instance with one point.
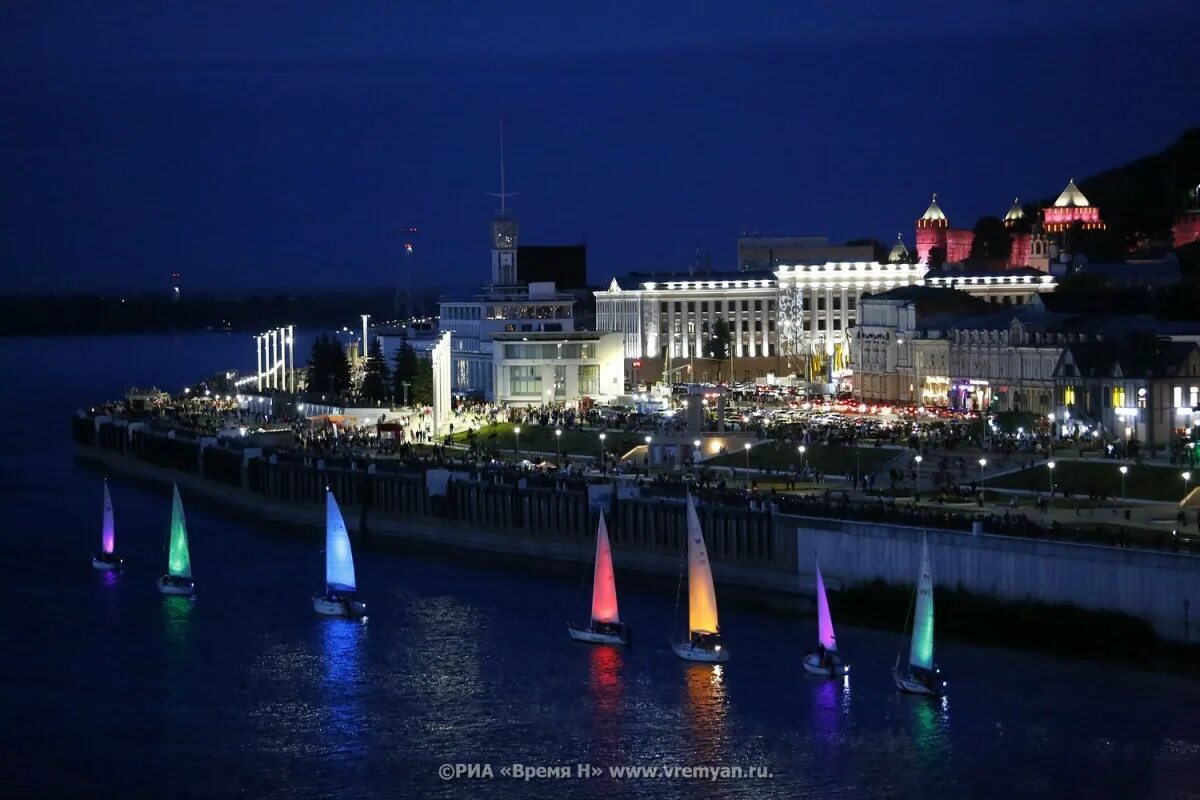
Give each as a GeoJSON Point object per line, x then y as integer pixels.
{"type": "Point", "coordinates": [1083, 477]}
{"type": "Point", "coordinates": [539, 439]}
{"type": "Point", "coordinates": [833, 459]}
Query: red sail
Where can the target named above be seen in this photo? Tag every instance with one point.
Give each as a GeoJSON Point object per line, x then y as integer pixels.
{"type": "Point", "coordinates": [604, 584]}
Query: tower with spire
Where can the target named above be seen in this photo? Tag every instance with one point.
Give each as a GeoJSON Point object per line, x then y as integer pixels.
{"type": "Point", "coordinates": [933, 230]}
{"type": "Point", "coordinates": [1070, 208]}
{"type": "Point", "coordinates": [504, 232]}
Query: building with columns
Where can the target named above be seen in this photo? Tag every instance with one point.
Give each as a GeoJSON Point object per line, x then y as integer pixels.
{"type": "Point", "coordinates": [794, 320]}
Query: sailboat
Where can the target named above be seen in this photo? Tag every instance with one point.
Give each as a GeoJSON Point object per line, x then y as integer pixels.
{"type": "Point", "coordinates": [605, 626]}
{"type": "Point", "coordinates": [106, 558]}
{"type": "Point", "coordinates": [338, 599]}
{"type": "Point", "coordinates": [825, 659]}
{"type": "Point", "coordinates": [178, 579]}
{"type": "Point", "coordinates": [921, 676]}
{"type": "Point", "coordinates": [704, 633]}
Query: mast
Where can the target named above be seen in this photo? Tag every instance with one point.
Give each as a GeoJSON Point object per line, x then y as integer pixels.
{"type": "Point", "coordinates": [702, 598]}
{"type": "Point", "coordinates": [107, 530]}
{"type": "Point", "coordinates": [920, 653]}
{"type": "Point", "coordinates": [604, 582]}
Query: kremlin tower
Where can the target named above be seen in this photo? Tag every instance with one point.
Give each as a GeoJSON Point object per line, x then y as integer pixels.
{"type": "Point", "coordinates": [933, 230]}
{"type": "Point", "coordinates": [1071, 207]}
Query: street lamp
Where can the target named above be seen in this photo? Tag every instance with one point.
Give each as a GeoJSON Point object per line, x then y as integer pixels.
{"type": "Point", "coordinates": [602, 453]}
{"type": "Point", "coordinates": [648, 438]}
{"type": "Point", "coordinates": [1050, 464]}
{"type": "Point", "coordinates": [1124, 469]}
{"type": "Point", "coordinates": [918, 459]}
{"type": "Point", "coordinates": [558, 442]}
{"type": "Point", "coordinates": [517, 431]}
{"type": "Point", "coordinates": [696, 451]}
{"type": "Point", "coordinates": [982, 464]}
{"type": "Point", "coordinates": [747, 449]}
{"type": "Point", "coordinates": [802, 449]}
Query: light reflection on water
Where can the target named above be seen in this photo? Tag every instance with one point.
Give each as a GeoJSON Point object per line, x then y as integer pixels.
{"type": "Point", "coordinates": [245, 687]}
{"type": "Point", "coordinates": [343, 641]}
{"type": "Point", "coordinates": [706, 709]}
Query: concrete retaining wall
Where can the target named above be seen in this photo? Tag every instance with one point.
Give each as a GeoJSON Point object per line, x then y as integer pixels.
{"type": "Point", "coordinates": [1161, 588]}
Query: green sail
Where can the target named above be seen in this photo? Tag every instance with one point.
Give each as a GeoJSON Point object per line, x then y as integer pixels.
{"type": "Point", "coordinates": [179, 562]}
{"type": "Point", "coordinates": [921, 652]}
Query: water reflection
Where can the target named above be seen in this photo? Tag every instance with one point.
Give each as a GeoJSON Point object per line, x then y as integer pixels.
{"type": "Point", "coordinates": [604, 681]}
{"type": "Point", "coordinates": [931, 725]}
{"type": "Point", "coordinates": [177, 621]}
{"type": "Point", "coordinates": [706, 710]}
{"type": "Point", "coordinates": [831, 703]}
{"type": "Point", "coordinates": [342, 643]}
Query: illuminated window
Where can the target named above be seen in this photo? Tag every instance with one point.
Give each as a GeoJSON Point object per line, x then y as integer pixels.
{"type": "Point", "coordinates": [1118, 397]}
{"type": "Point", "coordinates": [1069, 396]}
{"type": "Point", "coordinates": [525, 380]}
{"type": "Point", "coordinates": [1177, 396]}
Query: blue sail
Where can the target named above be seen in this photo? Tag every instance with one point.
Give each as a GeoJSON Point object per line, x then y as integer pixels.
{"type": "Point", "coordinates": [339, 561]}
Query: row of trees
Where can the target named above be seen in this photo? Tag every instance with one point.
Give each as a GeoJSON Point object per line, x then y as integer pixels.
{"type": "Point", "coordinates": [408, 380]}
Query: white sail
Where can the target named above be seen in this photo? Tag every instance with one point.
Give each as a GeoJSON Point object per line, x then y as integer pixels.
{"type": "Point", "coordinates": [702, 598]}
{"type": "Point", "coordinates": [339, 561]}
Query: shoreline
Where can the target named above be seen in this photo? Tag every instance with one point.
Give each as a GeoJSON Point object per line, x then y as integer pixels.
{"type": "Point", "coordinates": [1076, 632]}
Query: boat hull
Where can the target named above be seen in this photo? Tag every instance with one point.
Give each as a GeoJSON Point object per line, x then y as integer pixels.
{"type": "Point", "coordinates": [342, 607]}
{"type": "Point", "coordinates": [909, 684]}
{"type": "Point", "coordinates": [592, 636]}
{"type": "Point", "coordinates": [812, 665]}
{"type": "Point", "coordinates": [176, 586]}
{"type": "Point", "coordinates": [107, 561]}
{"type": "Point", "coordinates": [704, 655]}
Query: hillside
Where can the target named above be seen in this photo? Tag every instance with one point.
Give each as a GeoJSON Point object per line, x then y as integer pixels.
{"type": "Point", "coordinates": [1142, 198]}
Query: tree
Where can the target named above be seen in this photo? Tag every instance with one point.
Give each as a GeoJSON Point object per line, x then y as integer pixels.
{"type": "Point", "coordinates": [992, 241]}
{"type": "Point", "coordinates": [404, 369]}
{"type": "Point", "coordinates": [421, 392]}
{"type": "Point", "coordinates": [328, 369]}
{"type": "Point", "coordinates": [718, 344]}
{"type": "Point", "coordinates": [937, 258]}
{"type": "Point", "coordinates": [317, 378]}
{"type": "Point", "coordinates": [377, 380]}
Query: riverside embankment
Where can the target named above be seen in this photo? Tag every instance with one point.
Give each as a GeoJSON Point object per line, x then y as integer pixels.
{"type": "Point", "coordinates": [757, 553]}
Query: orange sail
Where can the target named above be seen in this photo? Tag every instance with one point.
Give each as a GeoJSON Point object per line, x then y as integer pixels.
{"type": "Point", "coordinates": [604, 584]}
{"type": "Point", "coordinates": [702, 599]}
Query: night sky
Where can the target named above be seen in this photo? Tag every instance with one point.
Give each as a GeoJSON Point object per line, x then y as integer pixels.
{"type": "Point", "coordinates": [259, 144]}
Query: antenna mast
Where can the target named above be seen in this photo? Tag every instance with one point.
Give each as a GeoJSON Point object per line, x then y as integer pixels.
{"type": "Point", "coordinates": [503, 194]}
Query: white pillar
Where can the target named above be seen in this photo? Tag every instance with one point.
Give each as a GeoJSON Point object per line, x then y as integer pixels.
{"type": "Point", "coordinates": [258, 357]}
{"type": "Point", "coordinates": [766, 323]}
{"type": "Point", "coordinates": [274, 358]}
{"type": "Point", "coordinates": [292, 358]}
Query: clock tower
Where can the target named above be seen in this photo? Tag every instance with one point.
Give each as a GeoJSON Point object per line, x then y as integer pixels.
{"type": "Point", "coordinates": [504, 251]}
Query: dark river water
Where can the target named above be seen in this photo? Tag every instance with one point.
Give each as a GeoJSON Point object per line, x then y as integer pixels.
{"type": "Point", "coordinates": [113, 691]}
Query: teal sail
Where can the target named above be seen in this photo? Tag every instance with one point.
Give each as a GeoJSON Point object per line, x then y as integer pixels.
{"type": "Point", "coordinates": [339, 561]}
{"type": "Point", "coordinates": [920, 654]}
{"type": "Point", "coordinates": [179, 562]}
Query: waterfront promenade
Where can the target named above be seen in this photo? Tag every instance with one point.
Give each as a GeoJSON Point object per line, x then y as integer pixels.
{"type": "Point", "coordinates": [760, 544]}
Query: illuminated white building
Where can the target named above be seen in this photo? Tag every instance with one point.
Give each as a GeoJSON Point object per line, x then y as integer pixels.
{"type": "Point", "coordinates": [557, 368]}
{"type": "Point", "coordinates": [793, 320]}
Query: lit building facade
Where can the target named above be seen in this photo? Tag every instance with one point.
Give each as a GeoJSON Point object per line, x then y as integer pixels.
{"type": "Point", "coordinates": [505, 306]}
{"type": "Point", "coordinates": [792, 321]}
{"type": "Point", "coordinates": [558, 368]}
